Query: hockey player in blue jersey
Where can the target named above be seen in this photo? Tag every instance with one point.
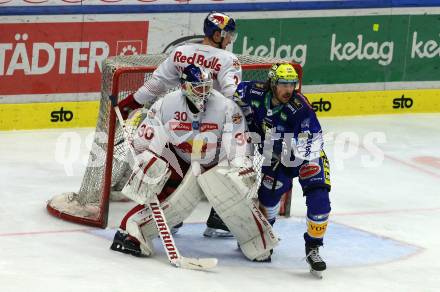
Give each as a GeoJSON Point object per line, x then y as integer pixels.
{"type": "Point", "coordinates": [290, 139]}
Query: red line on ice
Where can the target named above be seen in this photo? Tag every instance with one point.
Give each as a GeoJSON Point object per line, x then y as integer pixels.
{"type": "Point", "coordinates": [44, 232]}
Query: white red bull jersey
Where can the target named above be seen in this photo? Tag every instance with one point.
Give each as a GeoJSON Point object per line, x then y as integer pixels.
{"type": "Point", "coordinates": [208, 137]}
{"type": "Point", "coordinates": [223, 65]}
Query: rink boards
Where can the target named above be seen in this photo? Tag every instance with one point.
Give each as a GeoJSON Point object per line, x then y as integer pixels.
{"type": "Point", "coordinates": [85, 113]}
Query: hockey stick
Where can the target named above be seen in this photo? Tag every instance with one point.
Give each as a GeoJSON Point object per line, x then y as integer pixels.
{"type": "Point", "coordinates": [159, 218]}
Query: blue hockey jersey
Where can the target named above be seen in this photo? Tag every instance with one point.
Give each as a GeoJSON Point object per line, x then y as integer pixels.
{"type": "Point", "coordinates": [294, 122]}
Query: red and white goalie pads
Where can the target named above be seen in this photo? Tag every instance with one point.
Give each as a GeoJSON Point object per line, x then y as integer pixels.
{"type": "Point", "coordinates": [177, 207]}
{"type": "Point", "coordinates": [148, 178]}
{"type": "Point", "coordinates": [227, 188]}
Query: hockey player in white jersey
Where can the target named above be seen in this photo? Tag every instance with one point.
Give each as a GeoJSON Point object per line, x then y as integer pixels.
{"type": "Point", "coordinates": [219, 30]}
{"type": "Point", "coordinates": [190, 145]}
{"type": "Point", "coordinates": [225, 68]}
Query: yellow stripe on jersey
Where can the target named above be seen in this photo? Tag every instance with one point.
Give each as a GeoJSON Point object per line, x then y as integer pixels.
{"type": "Point", "coordinates": [326, 167]}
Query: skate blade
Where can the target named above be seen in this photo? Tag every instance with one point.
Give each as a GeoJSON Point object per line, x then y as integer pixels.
{"type": "Point", "coordinates": [174, 230]}
{"type": "Point", "coordinates": [120, 248]}
{"type": "Point", "coordinates": [211, 232]}
{"type": "Point", "coordinates": [317, 274]}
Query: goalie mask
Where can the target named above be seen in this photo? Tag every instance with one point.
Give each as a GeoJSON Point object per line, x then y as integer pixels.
{"type": "Point", "coordinates": [196, 86]}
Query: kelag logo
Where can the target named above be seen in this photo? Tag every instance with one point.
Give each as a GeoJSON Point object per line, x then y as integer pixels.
{"type": "Point", "coordinates": [321, 105]}
{"type": "Point", "coordinates": [61, 116]}
{"type": "Point", "coordinates": [372, 43]}
{"type": "Point", "coordinates": [63, 57]}
{"type": "Point", "coordinates": [402, 102]}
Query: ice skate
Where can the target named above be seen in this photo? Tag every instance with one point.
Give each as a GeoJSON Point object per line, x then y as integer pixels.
{"type": "Point", "coordinates": [176, 228]}
{"type": "Point", "coordinates": [216, 227]}
{"type": "Point", "coordinates": [316, 264]}
{"type": "Point", "coordinates": [125, 243]}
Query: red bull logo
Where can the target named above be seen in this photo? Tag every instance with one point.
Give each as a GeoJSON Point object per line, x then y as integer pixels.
{"type": "Point", "coordinates": [208, 127]}
{"type": "Point", "coordinates": [220, 20]}
{"type": "Point", "coordinates": [180, 126]}
{"type": "Point", "coordinates": [198, 59]}
{"type": "Point", "coordinates": [188, 147]}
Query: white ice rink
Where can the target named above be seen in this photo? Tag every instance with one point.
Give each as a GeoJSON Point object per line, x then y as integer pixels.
{"type": "Point", "coordinates": [383, 234]}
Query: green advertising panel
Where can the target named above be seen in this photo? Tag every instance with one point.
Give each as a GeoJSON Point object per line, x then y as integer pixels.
{"type": "Point", "coordinates": [339, 50]}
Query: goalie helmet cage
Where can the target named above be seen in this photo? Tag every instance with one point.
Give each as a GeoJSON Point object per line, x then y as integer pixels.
{"type": "Point", "coordinates": [107, 169]}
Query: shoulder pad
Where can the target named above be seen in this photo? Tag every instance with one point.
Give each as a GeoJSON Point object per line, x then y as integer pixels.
{"type": "Point", "coordinates": [301, 98]}
{"type": "Point", "coordinates": [297, 102]}
{"type": "Point", "coordinates": [260, 85]}
{"type": "Point", "coordinates": [294, 104]}
{"type": "Point", "coordinates": [236, 64]}
{"type": "Point", "coordinates": [240, 92]}
{"type": "Point", "coordinates": [258, 88]}
{"type": "Point", "coordinates": [229, 56]}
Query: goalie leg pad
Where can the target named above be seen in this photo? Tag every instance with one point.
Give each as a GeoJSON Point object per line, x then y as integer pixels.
{"type": "Point", "coordinates": [183, 200]}
{"type": "Point", "coordinates": [131, 225]}
{"type": "Point", "coordinates": [177, 207]}
{"type": "Point", "coordinates": [226, 189]}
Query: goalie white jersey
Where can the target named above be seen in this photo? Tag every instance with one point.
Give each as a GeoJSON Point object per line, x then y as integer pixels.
{"type": "Point", "coordinates": [207, 137]}
{"type": "Point", "coordinates": [223, 65]}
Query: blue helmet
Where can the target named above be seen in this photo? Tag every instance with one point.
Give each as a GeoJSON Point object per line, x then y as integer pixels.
{"type": "Point", "coordinates": [217, 21]}
{"type": "Point", "coordinates": [196, 85]}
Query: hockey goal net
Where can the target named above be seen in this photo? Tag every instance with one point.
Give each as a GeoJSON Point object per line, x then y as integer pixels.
{"type": "Point", "coordinates": [108, 169]}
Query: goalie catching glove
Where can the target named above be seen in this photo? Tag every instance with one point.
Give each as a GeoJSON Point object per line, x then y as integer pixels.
{"type": "Point", "coordinates": [127, 105]}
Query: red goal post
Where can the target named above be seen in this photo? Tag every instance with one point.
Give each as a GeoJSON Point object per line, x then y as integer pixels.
{"type": "Point", "coordinates": [107, 168]}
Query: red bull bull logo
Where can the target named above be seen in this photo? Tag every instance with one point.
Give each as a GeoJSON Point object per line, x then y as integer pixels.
{"type": "Point", "coordinates": [220, 20]}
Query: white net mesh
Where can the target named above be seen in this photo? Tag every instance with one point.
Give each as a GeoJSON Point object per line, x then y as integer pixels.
{"type": "Point", "coordinates": [88, 205]}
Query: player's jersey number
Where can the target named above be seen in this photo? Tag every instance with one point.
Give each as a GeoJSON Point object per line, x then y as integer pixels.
{"type": "Point", "coordinates": [146, 132]}
{"type": "Point", "coordinates": [181, 116]}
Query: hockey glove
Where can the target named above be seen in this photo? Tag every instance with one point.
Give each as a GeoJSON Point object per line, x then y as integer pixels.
{"type": "Point", "coordinates": [127, 105]}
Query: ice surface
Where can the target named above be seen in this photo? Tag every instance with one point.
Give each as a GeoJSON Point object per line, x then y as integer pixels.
{"type": "Point", "coordinates": [383, 234]}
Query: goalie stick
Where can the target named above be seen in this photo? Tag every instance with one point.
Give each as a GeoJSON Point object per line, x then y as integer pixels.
{"type": "Point", "coordinates": [165, 234]}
